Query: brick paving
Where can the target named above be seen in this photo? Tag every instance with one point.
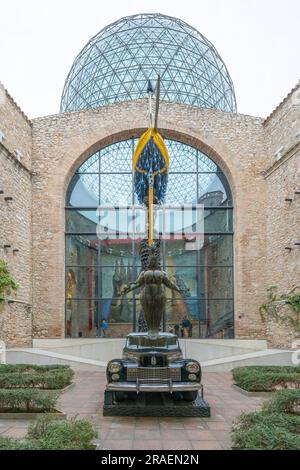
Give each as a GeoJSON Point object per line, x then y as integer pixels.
{"type": "Point", "coordinates": [85, 400]}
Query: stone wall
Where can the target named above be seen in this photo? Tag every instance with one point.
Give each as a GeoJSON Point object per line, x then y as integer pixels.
{"type": "Point", "coordinates": [282, 179]}
{"type": "Point", "coordinates": [16, 324]}
{"type": "Point", "coordinates": [15, 217]}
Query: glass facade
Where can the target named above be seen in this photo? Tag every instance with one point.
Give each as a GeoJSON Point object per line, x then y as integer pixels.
{"type": "Point", "coordinates": [116, 64]}
{"type": "Point", "coordinates": [97, 268]}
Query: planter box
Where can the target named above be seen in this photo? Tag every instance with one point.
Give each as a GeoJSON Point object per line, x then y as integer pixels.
{"type": "Point", "coordinates": [33, 415]}
{"type": "Point", "coordinates": [253, 394]}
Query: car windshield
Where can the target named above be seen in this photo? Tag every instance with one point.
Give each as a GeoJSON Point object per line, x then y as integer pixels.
{"type": "Point", "coordinates": [166, 342]}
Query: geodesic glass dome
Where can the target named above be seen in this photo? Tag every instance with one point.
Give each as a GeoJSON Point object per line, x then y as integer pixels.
{"type": "Point", "coordinates": [117, 63]}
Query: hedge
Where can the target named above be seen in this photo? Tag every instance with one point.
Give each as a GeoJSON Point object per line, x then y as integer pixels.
{"type": "Point", "coordinates": [276, 427]}
{"type": "Point", "coordinates": [49, 434]}
{"type": "Point", "coordinates": [284, 401]}
{"type": "Point", "coordinates": [266, 378]}
{"type": "Point", "coordinates": [53, 379]}
{"type": "Point", "coordinates": [26, 400]}
{"type": "Point", "coordinates": [5, 368]}
{"type": "Point", "coordinates": [264, 431]}
{"type": "Point", "coordinates": [32, 376]}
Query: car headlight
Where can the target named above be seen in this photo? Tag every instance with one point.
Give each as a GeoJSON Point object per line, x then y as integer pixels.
{"type": "Point", "coordinates": [115, 377]}
{"type": "Point", "coordinates": [114, 367]}
{"type": "Point", "coordinates": [192, 377]}
{"type": "Point", "coordinates": [192, 367]}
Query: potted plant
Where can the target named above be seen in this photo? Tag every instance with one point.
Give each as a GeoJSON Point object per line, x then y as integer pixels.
{"type": "Point", "coordinates": [7, 282]}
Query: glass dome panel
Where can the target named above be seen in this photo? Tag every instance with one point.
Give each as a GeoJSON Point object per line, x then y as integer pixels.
{"type": "Point", "coordinates": [116, 64]}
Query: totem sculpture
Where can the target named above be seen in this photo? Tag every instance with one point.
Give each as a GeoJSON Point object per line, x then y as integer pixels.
{"type": "Point", "coordinates": [151, 165]}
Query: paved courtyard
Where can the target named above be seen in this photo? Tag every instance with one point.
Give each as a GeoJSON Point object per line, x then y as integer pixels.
{"type": "Point", "coordinates": [85, 399]}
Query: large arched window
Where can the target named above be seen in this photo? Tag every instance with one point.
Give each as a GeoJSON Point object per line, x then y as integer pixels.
{"type": "Point", "coordinates": [97, 268]}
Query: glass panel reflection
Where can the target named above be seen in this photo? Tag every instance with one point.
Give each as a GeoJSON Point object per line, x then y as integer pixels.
{"type": "Point", "coordinates": [213, 191]}
{"type": "Point", "coordinates": [81, 221]}
{"type": "Point", "coordinates": [82, 283]}
{"type": "Point", "coordinates": [218, 220]}
{"type": "Point", "coordinates": [82, 250]}
{"type": "Point", "coordinates": [83, 191]}
{"type": "Point", "coordinates": [182, 189]}
{"type": "Point", "coordinates": [201, 318]}
{"type": "Point", "coordinates": [216, 251]}
{"type": "Point", "coordinates": [116, 189]}
{"type": "Point", "coordinates": [101, 255]}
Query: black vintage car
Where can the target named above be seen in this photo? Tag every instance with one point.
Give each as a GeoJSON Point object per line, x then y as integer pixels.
{"type": "Point", "coordinates": [153, 365]}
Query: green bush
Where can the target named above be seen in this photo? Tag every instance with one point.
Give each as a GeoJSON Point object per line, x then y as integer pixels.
{"type": "Point", "coordinates": [7, 443]}
{"type": "Point", "coordinates": [7, 282]}
{"type": "Point", "coordinates": [264, 431]}
{"type": "Point", "coordinates": [71, 434]}
{"type": "Point", "coordinates": [6, 368]}
{"type": "Point", "coordinates": [26, 400]}
{"type": "Point", "coordinates": [266, 378]}
{"type": "Point", "coordinates": [52, 379]}
{"type": "Point", "coordinates": [47, 433]}
{"type": "Point", "coordinates": [284, 401]}
{"type": "Point", "coordinates": [33, 376]}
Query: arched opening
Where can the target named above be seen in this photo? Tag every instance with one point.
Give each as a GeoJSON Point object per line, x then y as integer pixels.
{"type": "Point", "coordinates": [100, 266]}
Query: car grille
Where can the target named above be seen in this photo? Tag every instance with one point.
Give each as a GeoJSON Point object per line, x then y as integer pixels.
{"type": "Point", "coordinates": [153, 374]}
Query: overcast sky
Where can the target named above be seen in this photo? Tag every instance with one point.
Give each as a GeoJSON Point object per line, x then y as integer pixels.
{"type": "Point", "coordinates": [259, 40]}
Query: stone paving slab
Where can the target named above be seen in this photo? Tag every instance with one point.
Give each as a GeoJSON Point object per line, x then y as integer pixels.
{"type": "Point", "coordinates": [85, 400]}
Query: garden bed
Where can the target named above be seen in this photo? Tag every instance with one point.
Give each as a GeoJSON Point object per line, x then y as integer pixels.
{"type": "Point", "coordinates": [276, 427]}
{"type": "Point", "coordinates": [24, 376]}
{"type": "Point", "coordinates": [27, 401]}
{"type": "Point", "coordinates": [261, 379]}
{"type": "Point", "coordinates": [27, 390]}
{"type": "Point", "coordinates": [48, 433]}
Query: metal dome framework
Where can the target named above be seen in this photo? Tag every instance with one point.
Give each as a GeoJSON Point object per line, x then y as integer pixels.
{"type": "Point", "coordinates": [116, 64]}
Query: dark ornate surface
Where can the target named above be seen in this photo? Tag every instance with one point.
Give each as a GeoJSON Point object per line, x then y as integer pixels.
{"type": "Point", "coordinates": [155, 404]}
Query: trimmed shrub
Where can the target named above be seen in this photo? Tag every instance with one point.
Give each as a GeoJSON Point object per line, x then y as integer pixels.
{"type": "Point", "coordinates": [7, 443]}
{"type": "Point", "coordinates": [284, 401]}
{"type": "Point", "coordinates": [26, 400]}
{"type": "Point", "coordinates": [263, 431]}
{"type": "Point", "coordinates": [53, 379]}
{"type": "Point", "coordinates": [49, 434]}
{"type": "Point", "coordinates": [5, 368]}
{"type": "Point", "coordinates": [246, 420]}
{"type": "Point", "coordinates": [266, 378]}
{"type": "Point", "coordinates": [71, 434]}
{"type": "Point", "coordinates": [32, 376]}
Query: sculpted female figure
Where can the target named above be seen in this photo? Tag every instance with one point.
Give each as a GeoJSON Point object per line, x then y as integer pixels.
{"type": "Point", "coordinates": [152, 297]}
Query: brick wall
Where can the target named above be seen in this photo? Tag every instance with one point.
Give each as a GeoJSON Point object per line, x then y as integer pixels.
{"type": "Point", "coordinates": [282, 178]}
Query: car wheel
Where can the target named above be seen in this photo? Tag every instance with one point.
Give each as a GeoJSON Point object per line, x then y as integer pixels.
{"type": "Point", "coordinates": [119, 396]}
{"type": "Point", "coordinates": [190, 396]}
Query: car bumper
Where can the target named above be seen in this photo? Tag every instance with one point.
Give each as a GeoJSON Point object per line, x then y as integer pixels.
{"type": "Point", "coordinates": [153, 387]}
